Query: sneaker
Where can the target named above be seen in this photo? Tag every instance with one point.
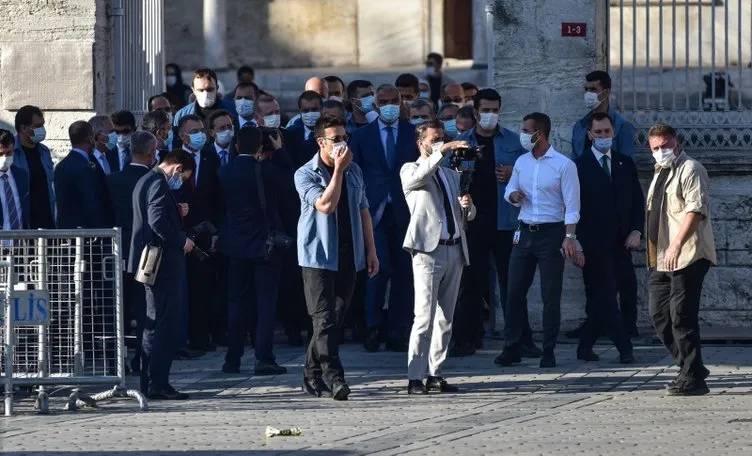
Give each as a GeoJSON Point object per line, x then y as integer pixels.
{"type": "Point", "coordinates": [340, 390]}
{"type": "Point", "coordinates": [690, 387]}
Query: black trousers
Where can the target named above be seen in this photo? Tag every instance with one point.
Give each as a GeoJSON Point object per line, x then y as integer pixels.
{"type": "Point", "coordinates": [161, 330]}
{"type": "Point", "coordinates": [220, 299]}
{"type": "Point", "coordinates": [468, 318]}
{"type": "Point", "coordinates": [328, 295]}
{"type": "Point", "coordinates": [674, 302]}
{"type": "Point", "coordinates": [600, 275]}
{"type": "Point", "coordinates": [626, 283]}
{"type": "Point", "coordinates": [540, 249]}
{"type": "Point", "coordinates": [201, 283]}
{"type": "Point", "coordinates": [292, 302]}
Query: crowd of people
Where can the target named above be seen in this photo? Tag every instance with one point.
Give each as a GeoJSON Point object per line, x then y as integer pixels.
{"type": "Point", "coordinates": [354, 217]}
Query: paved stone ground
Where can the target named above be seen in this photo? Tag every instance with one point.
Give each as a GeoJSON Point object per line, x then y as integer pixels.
{"type": "Point", "coordinates": [576, 408]}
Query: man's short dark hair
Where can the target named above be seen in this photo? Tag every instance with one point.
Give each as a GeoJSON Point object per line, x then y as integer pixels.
{"type": "Point", "coordinates": [6, 138]}
{"type": "Point", "coordinates": [334, 78]}
{"type": "Point", "coordinates": [661, 129]}
{"type": "Point", "coordinates": [245, 69]}
{"type": "Point", "coordinates": [541, 122]}
{"type": "Point", "coordinates": [437, 57]}
{"type": "Point", "coordinates": [263, 98]}
{"type": "Point", "coordinates": [357, 84]}
{"type": "Point", "coordinates": [327, 121]}
{"type": "Point", "coordinates": [25, 116]}
{"type": "Point", "coordinates": [154, 121]}
{"type": "Point", "coordinates": [422, 129]}
{"type": "Point", "coordinates": [598, 116]}
{"type": "Point", "coordinates": [469, 86]}
{"type": "Point", "coordinates": [154, 97]}
{"type": "Point", "coordinates": [216, 115]}
{"type": "Point", "coordinates": [466, 112]}
{"type": "Point", "coordinates": [187, 118]}
{"type": "Point", "coordinates": [123, 118]}
{"type": "Point", "coordinates": [180, 157]}
{"type": "Point", "coordinates": [601, 76]}
{"type": "Point", "coordinates": [245, 85]}
{"type": "Point", "coordinates": [249, 140]}
{"type": "Point", "coordinates": [202, 73]}
{"type": "Point", "coordinates": [334, 104]}
{"type": "Point", "coordinates": [79, 131]}
{"type": "Point", "coordinates": [486, 94]}
{"type": "Point", "coordinates": [310, 95]}
{"type": "Point", "coordinates": [408, 80]}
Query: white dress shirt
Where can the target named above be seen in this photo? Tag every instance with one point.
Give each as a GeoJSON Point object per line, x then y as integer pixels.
{"type": "Point", "coordinates": [197, 159]}
{"type": "Point", "coordinates": [444, 222]}
{"type": "Point", "coordinates": [551, 188]}
{"type": "Point", "coordinates": [308, 133]}
{"type": "Point", "coordinates": [14, 189]}
{"type": "Point", "coordinates": [102, 159]}
{"type": "Point", "coordinates": [599, 156]}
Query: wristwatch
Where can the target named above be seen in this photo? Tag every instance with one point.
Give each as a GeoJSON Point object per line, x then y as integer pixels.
{"type": "Point", "coordinates": [571, 236]}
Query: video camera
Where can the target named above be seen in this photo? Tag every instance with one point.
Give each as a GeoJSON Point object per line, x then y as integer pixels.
{"type": "Point", "coordinates": [268, 134]}
{"type": "Point", "coordinates": [201, 235]}
{"type": "Point", "coordinates": [463, 161]}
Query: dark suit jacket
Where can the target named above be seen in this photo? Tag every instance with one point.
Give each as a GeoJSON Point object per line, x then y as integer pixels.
{"type": "Point", "coordinates": [121, 185]}
{"type": "Point", "coordinates": [381, 179]}
{"type": "Point", "coordinates": [156, 221]}
{"type": "Point", "coordinates": [81, 190]}
{"type": "Point", "coordinates": [610, 208]}
{"type": "Point", "coordinates": [22, 186]}
{"type": "Point", "coordinates": [300, 150]}
{"type": "Point", "coordinates": [203, 200]}
{"type": "Point", "coordinates": [244, 227]}
{"type": "Point", "coordinates": [113, 159]}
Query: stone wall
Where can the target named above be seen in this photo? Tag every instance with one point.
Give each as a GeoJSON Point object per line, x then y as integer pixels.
{"type": "Point", "coordinates": [55, 54]}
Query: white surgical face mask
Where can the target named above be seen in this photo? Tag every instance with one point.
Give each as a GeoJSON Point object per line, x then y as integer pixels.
{"type": "Point", "coordinates": [436, 147]}
{"type": "Point", "coordinates": [272, 121]}
{"type": "Point", "coordinates": [171, 80]}
{"type": "Point", "coordinates": [526, 139]}
{"type": "Point", "coordinates": [488, 120]}
{"type": "Point", "coordinates": [664, 157]}
{"type": "Point", "coordinates": [337, 148]}
{"type": "Point", "coordinates": [206, 98]}
{"type": "Point", "coordinates": [333, 98]}
{"type": "Point", "coordinates": [591, 100]}
{"type": "Point", "coordinates": [5, 162]}
{"type": "Point", "coordinates": [309, 118]}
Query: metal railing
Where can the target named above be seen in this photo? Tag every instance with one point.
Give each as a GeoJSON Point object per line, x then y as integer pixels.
{"type": "Point", "coordinates": [62, 320]}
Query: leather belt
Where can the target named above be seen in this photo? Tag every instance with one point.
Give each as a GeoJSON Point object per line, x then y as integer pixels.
{"type": "Point", "coordinates": [541, 226]}
{"type": "Point", "coordinates": [449, 241]}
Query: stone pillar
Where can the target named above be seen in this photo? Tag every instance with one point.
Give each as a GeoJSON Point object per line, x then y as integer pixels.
{"type": "Point", "coordinates": [142, 53]}
{"type": "Point", "coordinates": [537, 69]}
{"type": "Point", "coordinates": [57, 56]}
{"type": "Point", "coordinates": [215, 24]}
{"type": "Point", "coordinates": [480, 47]}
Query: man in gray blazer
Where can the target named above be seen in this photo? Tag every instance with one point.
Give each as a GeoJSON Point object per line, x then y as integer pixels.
{"type": "Point", "coordinates": [436, 240]}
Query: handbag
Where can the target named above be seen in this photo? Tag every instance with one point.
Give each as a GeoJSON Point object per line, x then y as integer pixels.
{"type": "Point", "coordinates": [277, 242]}
{"type": "Point", "coordinates": [148, 265]}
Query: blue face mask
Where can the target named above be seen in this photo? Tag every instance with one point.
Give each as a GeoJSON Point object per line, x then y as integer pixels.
{"type": "Point", "coordinates": [112, 140]}
{"type": "Point", "coordinates": [450, 127]}
{"type": "Point", "coordinates": [603, 144]}
{"type": "Point", "coordinates": [224, 137]}
{"type": "Point", "coordinates": [244, 107]}
{"type": "Point", "coordinates": [170, 138]}
{"type": "Point", "coordinates": [198, 140]}
{"type": "Point", "coordinates": [425, 95]}
{"type": "Point", "coordinates": [366, 104]}
{"type": "Point", "coordinates": [175, 182]}
{"type": "Point", "coordinates": [389, 113]}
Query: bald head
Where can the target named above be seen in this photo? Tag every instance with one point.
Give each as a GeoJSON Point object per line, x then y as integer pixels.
{"type": "Point", "coordinates": [318, 85]}
{"type": "Point", "coordinates": [454, 93]}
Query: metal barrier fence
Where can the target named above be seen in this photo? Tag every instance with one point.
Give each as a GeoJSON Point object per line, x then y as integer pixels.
{"type": "Point", "coordinates": [62, 315]}
{"type": "Point", "coordinates": [687, 63]}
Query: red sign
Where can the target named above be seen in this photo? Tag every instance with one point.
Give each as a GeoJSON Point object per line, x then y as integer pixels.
{"type": "Point", "coordinates": [573, 29]}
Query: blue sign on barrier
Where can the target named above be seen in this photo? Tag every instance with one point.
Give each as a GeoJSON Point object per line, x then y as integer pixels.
{"type": "Point", "coordinates": [30, 308]}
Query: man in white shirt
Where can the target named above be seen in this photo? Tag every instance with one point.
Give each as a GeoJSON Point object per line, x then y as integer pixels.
{"type": "Point", "coordinates": [544, 185]}
{"type": "Point", "coordinates": [14, 187]}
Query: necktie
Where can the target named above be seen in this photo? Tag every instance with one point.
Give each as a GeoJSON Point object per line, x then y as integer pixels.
{"type": "Point", "coordinates": [104, 164]}
{"type": "Point", "coordinates": [223, 157]}
{"type": "Point", "coordinates": [390, 148]}
{"type": "Point", "coordinates": [126, 158]}
{"type": "Point", "coordinates": [451, 228]}
{"type": "Point", "coordinates": [192, 180]}
{"type": "Point", "coordinates": [604, 165]}
{"type": "Point", "coordinates": [15, 223]}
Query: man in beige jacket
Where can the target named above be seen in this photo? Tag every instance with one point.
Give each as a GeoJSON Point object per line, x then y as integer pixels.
{"type": "Point", "coordinates": [680, 249]}
{"type": "Point", "coordinates": [436, 240]}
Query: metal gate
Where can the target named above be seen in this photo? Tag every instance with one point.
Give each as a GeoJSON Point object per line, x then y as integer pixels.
{"type": "Point", "coordinates": [687, 63]}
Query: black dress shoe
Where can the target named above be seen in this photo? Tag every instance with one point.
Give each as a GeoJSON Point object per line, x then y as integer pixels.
{"type": "Point", "coordinates": [626, 358]}
{"type": "Point", "coordinates": [167, 394]}
{"type": "Point", "coordinates": [316, 387]}
{"type": "Point", "coordinates": [397, 346]}
{"type": "Point", "coordinates": [340, 390]}
{"type": "Point", "coordinates": [688, 387]}
{"type": "Point", "coordinates": [588, 356]}
{"type": "Point", "coordinates": [372, 342]}
{"type": "Point", "coordinates": [548, 360]}
{"type": "Point", "coordinates": [231, 368]}
{"type": "Point", "coordinates": [508, 357]}
{"type": "Point", "coordinates": [416, 387]}
{"type": "Point", "coordinates": [264, 368]}
{"type": "Point", "coordinates": [576, 332]}
{"type": "Point", "coordinates": [530, 351]}
{"type": "Point", "coordinates": [440, 385]}
{"type": "Point", "coordinates": [188, 353]}
{"type": "Point", "coordinates": [461, 350]}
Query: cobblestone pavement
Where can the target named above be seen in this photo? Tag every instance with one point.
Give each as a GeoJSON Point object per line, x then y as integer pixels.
{"type": "Point", "coordinates": [576, 408]}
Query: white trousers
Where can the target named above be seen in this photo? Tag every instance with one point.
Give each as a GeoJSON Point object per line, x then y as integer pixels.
{"type": "Point", "coordinates": [437, 283]}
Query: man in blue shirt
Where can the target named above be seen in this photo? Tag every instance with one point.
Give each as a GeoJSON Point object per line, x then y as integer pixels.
{"type": "Point", "coordinates": [492, 230]}
{"type": "Point", "coordinates": [597, 97]}
{"type": "Point", "coordinates": [335, 241]}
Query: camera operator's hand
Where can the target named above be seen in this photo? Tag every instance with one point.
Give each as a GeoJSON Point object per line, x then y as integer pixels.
{"type": "Point", "coordinates": [517, 197]}
{"type": "Point", "coordinates": [466, 201]}
{"type": "Point", "coordinates": [276, 143]}
{"type": "Point", "coordinates": [189, 244]}
{"type": "Point", "coordinates": [343, 158]}
{"type": "Point", "coordinates": [503, 173]}
{"type": "Point", "coordinates": [450, 146]}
